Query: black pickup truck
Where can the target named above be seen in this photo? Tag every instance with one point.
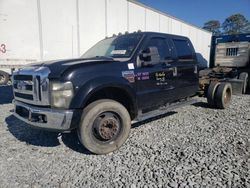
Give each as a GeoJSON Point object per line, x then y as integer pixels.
{"type": "Point", "coordinates": [122, 79]}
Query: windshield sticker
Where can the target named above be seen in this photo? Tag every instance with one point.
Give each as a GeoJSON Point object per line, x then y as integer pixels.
{"type": "Point", "coordinates": [129, 75]}
{"type": "Point", "coordinates": [119, 52]}
{"type": "Point", "coordinates": [142, 76]}
{"type": "Point", "coordinates": [131, 66]}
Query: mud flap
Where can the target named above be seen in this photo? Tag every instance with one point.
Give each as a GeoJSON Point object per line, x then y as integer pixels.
{"type": "Point", "coordinates": [237, 86]}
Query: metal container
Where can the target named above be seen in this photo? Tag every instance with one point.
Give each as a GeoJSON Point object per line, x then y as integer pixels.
{"type": "Point", "coordinates": [38, 30]}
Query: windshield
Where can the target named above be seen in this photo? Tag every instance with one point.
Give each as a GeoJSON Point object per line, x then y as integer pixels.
{"type": "Point", "coordinates": [115, 47]}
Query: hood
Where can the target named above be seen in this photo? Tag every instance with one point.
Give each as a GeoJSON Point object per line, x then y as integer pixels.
{"type": "Point", "coordinates": [58, 67]}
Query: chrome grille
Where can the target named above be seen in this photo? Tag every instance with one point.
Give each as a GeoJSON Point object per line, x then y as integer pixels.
{"type": "Point", "coordinates": [31, 85]}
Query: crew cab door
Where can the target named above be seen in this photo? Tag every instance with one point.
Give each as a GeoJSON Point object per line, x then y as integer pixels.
{"type": "Point", "coordinates": [155, 84]}
{"type": "Point", "coordinates": [186, 67]}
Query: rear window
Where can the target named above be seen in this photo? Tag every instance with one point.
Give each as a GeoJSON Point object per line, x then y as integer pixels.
{"type": "Point", "coordinates": [184, 50]}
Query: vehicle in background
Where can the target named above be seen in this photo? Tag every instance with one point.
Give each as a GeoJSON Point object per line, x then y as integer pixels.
{"type": "Point", "coordinates": [6, 70]}
{"type": "Point", "coordinates": [123, 79]}
{"type": "Point", "coordinates": [230, 62]}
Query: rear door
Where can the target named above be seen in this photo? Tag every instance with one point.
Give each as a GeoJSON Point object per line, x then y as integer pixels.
{"type": "Point", "coordinates": [186, 65]}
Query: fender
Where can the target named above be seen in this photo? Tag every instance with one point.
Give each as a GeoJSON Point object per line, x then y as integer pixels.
{"type": "Point", "coordinates": [89, 88]}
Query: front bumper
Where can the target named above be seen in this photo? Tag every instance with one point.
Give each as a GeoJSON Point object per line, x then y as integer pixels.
{"type": "Point", "coordinates": [45, 118]}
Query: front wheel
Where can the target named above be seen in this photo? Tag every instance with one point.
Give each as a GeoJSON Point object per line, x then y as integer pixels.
{"type": "Point", "coordinates": [105, 126]}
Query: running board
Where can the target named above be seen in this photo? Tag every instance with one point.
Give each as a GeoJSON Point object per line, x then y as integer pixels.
{"type": "Point", "coordinates": [163, 110]}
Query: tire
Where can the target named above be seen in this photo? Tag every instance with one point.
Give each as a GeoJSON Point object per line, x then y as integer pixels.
{"type": "Point", "coordinates": [211, 93]}
{"type": "Point", "coordinates": [4, 78]}
{"type": "Point", "coordinates": [244, 76]}
{"type": "Point", "coordinates": [223, 95]}
{"type": "Point", "coordinates": [105, 126]}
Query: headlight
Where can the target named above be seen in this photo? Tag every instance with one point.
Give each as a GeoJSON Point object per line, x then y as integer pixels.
{"type": "Point", "coordinates": [61, 94]}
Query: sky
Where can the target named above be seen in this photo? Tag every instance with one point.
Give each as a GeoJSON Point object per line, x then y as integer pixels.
{"type": "Point", "coordinates": [198, 12]}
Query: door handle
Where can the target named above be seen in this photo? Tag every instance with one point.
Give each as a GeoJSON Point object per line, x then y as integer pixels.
{"type": "Point", "coordinates": [167, 65]}
{"type": "Point", "coordinates": [175, 71]}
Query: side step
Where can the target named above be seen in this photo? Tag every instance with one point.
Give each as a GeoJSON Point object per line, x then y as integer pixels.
{"type": "Point", "coordinates": [163, 110]}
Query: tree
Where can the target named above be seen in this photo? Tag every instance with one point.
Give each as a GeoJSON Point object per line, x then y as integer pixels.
{"type": "Point", "coordinates": [236, 24]}
{"type": "Point", "coordinates": [213, 26]}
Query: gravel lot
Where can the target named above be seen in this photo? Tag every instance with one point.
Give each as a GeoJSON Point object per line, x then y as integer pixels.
{"type": "Point", "coordinates": [195, 146]}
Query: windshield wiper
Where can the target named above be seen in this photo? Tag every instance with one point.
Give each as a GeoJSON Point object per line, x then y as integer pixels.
{"type": "Point", "coordinates": [103, 57]}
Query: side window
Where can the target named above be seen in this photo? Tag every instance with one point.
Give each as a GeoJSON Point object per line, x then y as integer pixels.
{"type": "Point", "coordinates": [183, 49]}
{"type": "Point", "coordinates": [162, 46]}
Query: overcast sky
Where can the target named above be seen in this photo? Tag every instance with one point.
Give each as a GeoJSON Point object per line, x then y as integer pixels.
{"type": "Point", "coordinates": [197, 12]}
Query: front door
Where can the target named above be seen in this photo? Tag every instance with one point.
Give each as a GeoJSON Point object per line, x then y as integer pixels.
{"type": "Point", "coordinates": [155, 84]}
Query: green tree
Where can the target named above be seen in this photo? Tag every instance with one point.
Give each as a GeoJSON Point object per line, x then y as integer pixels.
{"type": "Point", "coordinates": [236, 24]}
{"type": "Point", "coordinates": [213, 26]}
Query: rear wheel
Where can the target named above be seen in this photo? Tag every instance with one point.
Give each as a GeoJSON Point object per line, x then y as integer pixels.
{"type": "Point", "coordinates": [223, 95]}
{"type": "Point", "coordinates": [211, 93]}
{"type": "Point", "coordinates": [105, 126]}
{"type": "Point", "coordinates": [4, 78]}
{"type": "Point", "coordinates": [245, 78]}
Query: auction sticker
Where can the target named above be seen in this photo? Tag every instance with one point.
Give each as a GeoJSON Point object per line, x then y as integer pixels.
{"type": "Point", "coordinates": [131, 66]}
{"type": "Point", "coordinates": [118, 52]}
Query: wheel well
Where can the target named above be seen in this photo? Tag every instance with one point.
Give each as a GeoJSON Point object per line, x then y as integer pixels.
{"type": "Point", "coordinates": [117, 94]}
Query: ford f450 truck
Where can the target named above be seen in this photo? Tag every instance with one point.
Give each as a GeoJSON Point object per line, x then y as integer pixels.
{"type": "Point", "coordinates": [122, 79]}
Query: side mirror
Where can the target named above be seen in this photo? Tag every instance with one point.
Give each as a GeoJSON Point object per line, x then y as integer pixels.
{"type": "Point", "coordinates": [150, 56]}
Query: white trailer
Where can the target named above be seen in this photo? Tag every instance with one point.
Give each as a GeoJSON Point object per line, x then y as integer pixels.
{"type": "Point", "coordinates": [38, 30]}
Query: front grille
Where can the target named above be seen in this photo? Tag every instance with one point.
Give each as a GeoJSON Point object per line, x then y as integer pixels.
{"type": "Point", "coordinates": [232, 51]}
{"type": "Point", "coordinates": [24, 87]}
{"type": "Point", "coordinates": [28, 87]}
{"type": "Point", "coordinates": [23, 96]}
{"type": "Point", "coordinates": [32, 86]}
{"type": "Point", "coordinates": [23, 77]}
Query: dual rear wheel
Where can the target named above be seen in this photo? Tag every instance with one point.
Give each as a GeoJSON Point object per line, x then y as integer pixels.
{"type": "Point", "coordinates": [219, 95]}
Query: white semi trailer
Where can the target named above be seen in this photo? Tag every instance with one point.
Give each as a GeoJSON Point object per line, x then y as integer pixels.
{"type": "Point", "coordinates": [38, 30]}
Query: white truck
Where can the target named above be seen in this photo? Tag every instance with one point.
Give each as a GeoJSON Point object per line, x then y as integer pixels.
{"type": "Point", "coordinates": [39, 30]}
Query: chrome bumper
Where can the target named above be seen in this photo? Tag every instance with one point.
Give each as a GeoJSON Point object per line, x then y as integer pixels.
{"type": "Point", "coordinates": [46, 118]}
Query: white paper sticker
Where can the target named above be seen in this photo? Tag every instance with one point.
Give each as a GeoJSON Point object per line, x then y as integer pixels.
{"type": "Point", "coordinates": [131, 66]}
{"type": "Point", "coordinates": [118, 52]}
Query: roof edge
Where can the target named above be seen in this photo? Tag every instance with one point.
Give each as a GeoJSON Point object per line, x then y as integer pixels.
{"type": "Point", "coordinates": [165, 14]}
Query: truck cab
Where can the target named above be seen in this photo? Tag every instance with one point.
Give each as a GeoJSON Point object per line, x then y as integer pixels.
{"type": "Point", "coordinates": [117, 81]}
{"type": "Point", "coordinates": [230, 61]}
{"type": "Point", "coordinates": [233, 54]}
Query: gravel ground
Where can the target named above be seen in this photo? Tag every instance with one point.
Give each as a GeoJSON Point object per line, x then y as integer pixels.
{"type": "Point", "coordinates": [195, 146]}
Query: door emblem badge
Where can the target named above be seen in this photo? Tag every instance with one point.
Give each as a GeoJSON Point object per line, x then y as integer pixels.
{"type": "Point", "coordinates": [129, 75]}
